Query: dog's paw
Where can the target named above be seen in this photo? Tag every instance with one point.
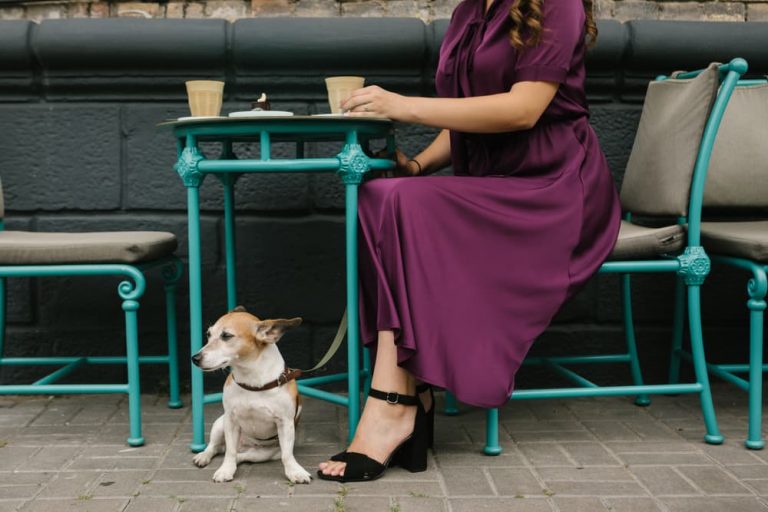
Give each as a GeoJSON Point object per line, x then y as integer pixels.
{"type": "Point", "coordinates": [223, 475]}
{"type": "Point", "coordinates": [298, 475]}
{"type": "Point", "coordinates": [202, 459]}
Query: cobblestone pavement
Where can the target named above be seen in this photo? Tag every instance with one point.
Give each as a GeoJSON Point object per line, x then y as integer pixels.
{"type": "Point", "coordinates": [587, 455]}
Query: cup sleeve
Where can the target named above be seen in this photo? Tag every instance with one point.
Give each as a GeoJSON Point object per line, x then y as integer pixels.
{"type": "Point", "coordinates": [562, 33]}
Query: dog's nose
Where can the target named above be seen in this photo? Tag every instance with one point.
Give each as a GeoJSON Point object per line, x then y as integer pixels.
{"type": "Point", "coordinates": [197, 358]}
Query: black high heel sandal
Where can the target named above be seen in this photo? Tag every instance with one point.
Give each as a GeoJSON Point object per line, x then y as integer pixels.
{"type": "Point", "coordinates": [411, 454]}
{"type": "Point", "coordinates": [430, 414]}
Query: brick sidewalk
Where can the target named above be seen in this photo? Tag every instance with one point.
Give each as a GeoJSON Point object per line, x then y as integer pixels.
{"type": "Point", "coordinates": [578, 455]}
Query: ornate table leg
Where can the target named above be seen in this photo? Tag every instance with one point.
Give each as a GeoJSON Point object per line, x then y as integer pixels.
{"type": "Point", "coordinates": [354, 164]}
{"type": "Point", "coordinates": [192, 178]}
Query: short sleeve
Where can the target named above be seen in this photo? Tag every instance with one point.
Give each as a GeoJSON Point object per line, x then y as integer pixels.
{"type": "Point", "coordinates": [562, 33]}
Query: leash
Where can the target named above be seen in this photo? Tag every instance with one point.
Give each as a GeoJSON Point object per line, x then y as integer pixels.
{"type": "Point", "coordinates": [335, 344]}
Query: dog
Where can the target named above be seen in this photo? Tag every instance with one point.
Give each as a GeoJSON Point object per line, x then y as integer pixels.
{"type": "Point", "coordinates": [261, 400]}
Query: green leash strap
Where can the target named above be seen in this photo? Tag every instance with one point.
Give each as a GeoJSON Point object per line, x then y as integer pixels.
{"type": "Point", "coordinates": [334, 345]}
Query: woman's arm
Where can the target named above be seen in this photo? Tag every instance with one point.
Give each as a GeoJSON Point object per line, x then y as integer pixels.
{"type": "Point", "coordinates": [436, 156]}
{"type": "Point", "coordinates": [518, 109]}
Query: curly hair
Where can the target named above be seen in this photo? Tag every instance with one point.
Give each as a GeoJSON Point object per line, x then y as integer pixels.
{"type": "Point", "coordinates": [526, 18]}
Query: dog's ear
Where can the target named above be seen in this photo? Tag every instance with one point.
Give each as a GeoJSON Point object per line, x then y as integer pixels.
{"type": "Point", "coordinates": [270, 331]}
{"type": "Point", "coordinates": [238, 309]}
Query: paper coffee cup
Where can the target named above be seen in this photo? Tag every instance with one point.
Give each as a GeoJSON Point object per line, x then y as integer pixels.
{"type": "Point", "coordinates": [340, 88]}
{"type": "Point", "coordinates": [205, 97]}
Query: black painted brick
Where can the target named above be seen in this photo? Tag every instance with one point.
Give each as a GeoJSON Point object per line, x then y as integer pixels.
{"type": "Point", "coordinates": [58, 156]}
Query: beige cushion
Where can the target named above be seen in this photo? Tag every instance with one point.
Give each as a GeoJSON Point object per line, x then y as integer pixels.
{"type": "Point", "coordinates": [658, 175]}
{"type": "Point", "coordinates": [738, 171]}
{"type": "Point", "coordinates": [29, 248]}
{"type": "Point", "coordinates": [743, 239]}
{"type": "Point", "coordinates": [638, 242]}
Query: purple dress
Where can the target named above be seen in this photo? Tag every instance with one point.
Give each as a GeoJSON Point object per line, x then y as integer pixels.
{"type": "Point", "coordinates": [468, 270]}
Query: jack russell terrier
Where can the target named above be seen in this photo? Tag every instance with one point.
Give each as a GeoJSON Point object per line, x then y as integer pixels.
{"type": "Point", "coordinates": [261, 398]}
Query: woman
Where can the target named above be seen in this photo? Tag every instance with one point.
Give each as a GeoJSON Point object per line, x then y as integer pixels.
{"type": "Point", "coordinates": [459, 274]}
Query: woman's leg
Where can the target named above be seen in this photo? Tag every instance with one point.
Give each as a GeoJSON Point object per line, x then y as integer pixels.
{"type": "Point", "coordinates": [383, 426]}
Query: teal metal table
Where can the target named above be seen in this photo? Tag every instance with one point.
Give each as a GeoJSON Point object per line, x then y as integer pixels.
{"type": "Point", "coordinates": [351, 164]}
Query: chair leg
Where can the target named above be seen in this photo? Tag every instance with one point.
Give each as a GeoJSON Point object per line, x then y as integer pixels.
{"type": "Point", "coordinates": [756, 305]}
{"type": "Point", "coordinates": [171, 274]}
{"type": "Point", "coordinates": [677, 332]}
{"type": "Point", "coordinates": [629, 334]}
{"type": "Point", "coordinates": [492, 446]}
{"type": "Point", "coordinates": [713, 435]}
{"type": "Point", "coordinates": [132, 360]}
{"type": "Point", "coordinates": [451, 406]}
{"type": "Point", "coordinates": [2, 316]}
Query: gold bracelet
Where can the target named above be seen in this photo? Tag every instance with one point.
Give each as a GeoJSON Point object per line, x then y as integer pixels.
{"type": "Point", "coordinates": [417, 163]}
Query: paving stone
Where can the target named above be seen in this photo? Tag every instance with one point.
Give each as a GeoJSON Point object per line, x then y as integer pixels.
{"type": "Point", "coordinates": [206, 505]}
{"type": "Point", "coordinates": [142, 504]}
{"type": "Point", "coordinates": [611, 431]}
{"type": "Point", "coordinates": [759, 471]}
{"type": "Point", "coordinates": [585, 474]}
{"type": "Point", "coordinates": [466, 481]}
{"type": "Point", "coordinates": [663, 481]}
{"type": "Point", "coordinates": [713, 504]}
{"type": "Point", "coordinates": [543, 454]}
{"type": "Point", "coordinates": [596, 488]}
{"type": "Point", "coordinates": [50, 458]}
{"type": "Point", "coordinates": [84, 504]}
{"type": "Point", "coordinates": [590, 454]}
{"type": "Point", "coordinates": [462, 455]}
{"type": "Point", "coordinates": [713, 480]}
{"type": "Point", "coordinates": [12, 492]}
{"type": "Point", "coordinates": [10, 505]}
{"type": "Point", "coordinates": [579, 505]}
{"type": "Point", "coordinates": [70, 484]}
{"type": "Point", "coordinates": [119, 483]}
{"type": "Point", "coordinates": [757, 486]}
{"type": "Point", "coordinates": [297, 504]}
{"type": "Point", "coordinates": [184, 489]}
{"type": "Point", "coordinates": [111, 463]}
{"type": "Point", "coordinates": [500, 505]}
{"type": "Point", "coordinates": [515, 482]}
{"type": "Point", "coordinates": [632, 505]}
{"type": "Point", "coordinates": [652, 431]}
{"type": "Point", "coordinates": [13, 456]}
{"type": "Point", "coordinates": [731, 454]}
{"type": "Point", "coordinates": [422, 504]}
{"type": "Point", "coordinates": [668, 459]}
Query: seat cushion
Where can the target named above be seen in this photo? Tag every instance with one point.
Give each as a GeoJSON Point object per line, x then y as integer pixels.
{"type": "Point", "coordinates": [639, 242]}
{"type": "Point", "coordinates": [657, 179]}
{"type": "Point", "coordinates": [742, 239]}
{"type": "Point", "coordinates": [736, 176]}
{"type": "Point", "coordinates": [31, 248]}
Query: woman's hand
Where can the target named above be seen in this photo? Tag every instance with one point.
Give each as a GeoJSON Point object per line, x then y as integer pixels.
{"type": "Point", "coordinates": [373, 101]}
{"type": "Point", "coordinates": [404, 166]}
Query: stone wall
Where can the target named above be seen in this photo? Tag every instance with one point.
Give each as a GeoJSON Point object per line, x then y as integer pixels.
{"type": "Point", "coordinates": [427, 10]}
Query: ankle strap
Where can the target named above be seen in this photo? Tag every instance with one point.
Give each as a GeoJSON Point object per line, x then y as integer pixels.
{"type": "Point", "coordinates": [393, 398]}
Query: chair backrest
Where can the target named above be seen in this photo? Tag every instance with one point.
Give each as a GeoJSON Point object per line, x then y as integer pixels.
{"type": "Point", "coordinates": [738, 170]}
{"type": "Point", "coordinates": [657, 180]}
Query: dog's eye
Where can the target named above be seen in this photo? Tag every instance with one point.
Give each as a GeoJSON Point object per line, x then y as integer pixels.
{"type": "Point", "coordinates": [226, 336]}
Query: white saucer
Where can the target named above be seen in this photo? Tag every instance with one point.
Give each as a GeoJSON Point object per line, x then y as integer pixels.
{"type": "Point", "coordinates": [198, 118]}
{"type": "Point", "coordinates": [329, 115]}
{"type": "Point", "coordinates": [261, 113]}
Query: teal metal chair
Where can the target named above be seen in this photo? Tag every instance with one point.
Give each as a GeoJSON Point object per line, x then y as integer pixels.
{"type": "Point", "coordinates": [121, 254]}
{"type": "Point", "coordinates": [664, 179]}
{"type": "Point", "coordinates": [738, 183]}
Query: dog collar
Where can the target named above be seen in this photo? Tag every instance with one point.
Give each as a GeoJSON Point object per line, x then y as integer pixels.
{"type": "Point", "coordinates": [288, 375]}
